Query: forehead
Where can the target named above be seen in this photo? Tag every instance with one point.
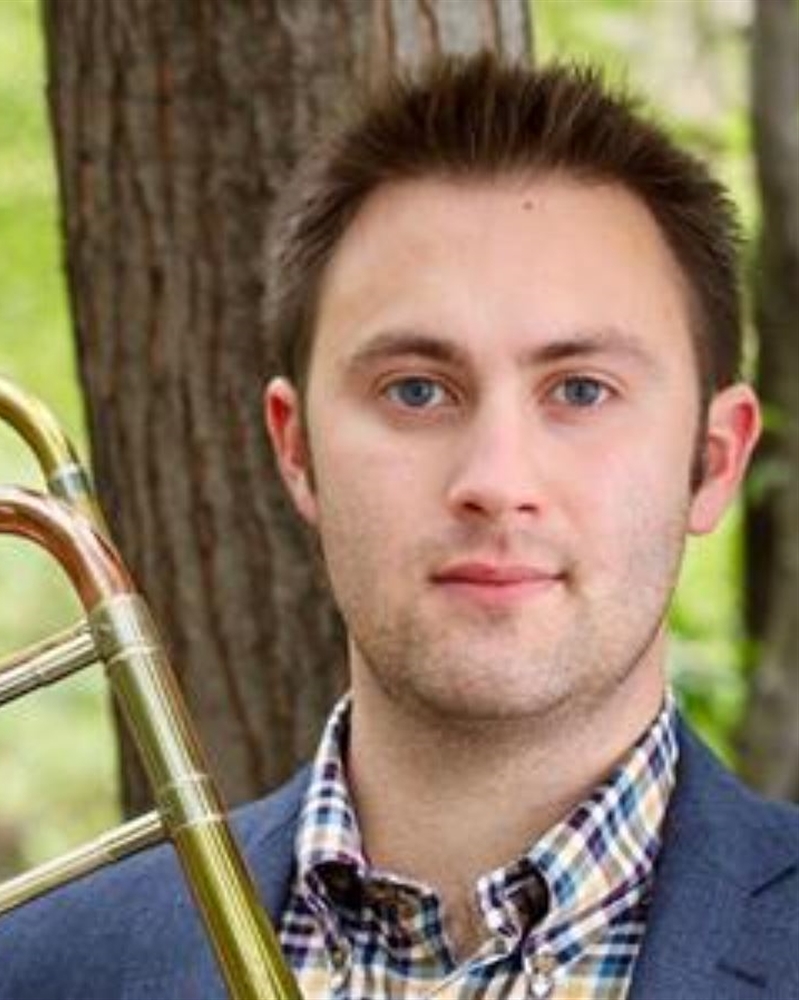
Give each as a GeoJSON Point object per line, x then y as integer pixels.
{"type": "Point", "coordinates": [495, 264]}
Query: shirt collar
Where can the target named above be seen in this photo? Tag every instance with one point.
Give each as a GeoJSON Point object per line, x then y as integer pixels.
{"type": "Point", "coordinates": [599, 861]}
{"type": "Point", "coordinates": [592, 864]}
{"type": "Point", "coordinates": [328, 834]}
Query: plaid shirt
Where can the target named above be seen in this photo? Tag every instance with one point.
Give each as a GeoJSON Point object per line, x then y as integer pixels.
{"type": "Point", "coordinates": [564, 921]}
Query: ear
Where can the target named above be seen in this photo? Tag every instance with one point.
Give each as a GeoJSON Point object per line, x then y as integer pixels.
{"type": "Point", "coordinates": [733, 427]}
{"type": "Point", "coordinates": [283, 416]}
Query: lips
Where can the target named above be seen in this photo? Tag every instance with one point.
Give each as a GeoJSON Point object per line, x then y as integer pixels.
{"type": "Point", "coordinates": [495, 584]}
{"type": "Point", "coordinates": [492, 574]}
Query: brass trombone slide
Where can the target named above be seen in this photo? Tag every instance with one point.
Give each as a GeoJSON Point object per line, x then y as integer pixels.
{"type": "Point", "coordinates": [64, 474]}
{"type": "Point", "coordinates": [120, 633]}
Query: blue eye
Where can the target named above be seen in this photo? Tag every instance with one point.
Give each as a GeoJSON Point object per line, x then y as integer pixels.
{"type": "Point", "coordinates": [581, 391]}
{"type": "Point", "coordinates": [415, 392]}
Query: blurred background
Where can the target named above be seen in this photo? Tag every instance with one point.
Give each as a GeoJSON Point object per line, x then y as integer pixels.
{"type": "Point", "coordinates": [57, 751]}
{"type": "Point", "coordinates": [60, 770]}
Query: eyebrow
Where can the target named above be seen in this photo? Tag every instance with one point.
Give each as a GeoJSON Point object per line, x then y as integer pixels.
{"type": "Point", "coordinates": [610, 340]}
{"type": "Point", "coordinates": [398, 343]}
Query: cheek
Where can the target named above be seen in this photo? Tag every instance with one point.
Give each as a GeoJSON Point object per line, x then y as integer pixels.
{"type": "Point", "coordinates": [633, 496]}
{"type": "Point", "coordinates": [363, 470]}
{"type": "Point", "coordinates": [367, 503]}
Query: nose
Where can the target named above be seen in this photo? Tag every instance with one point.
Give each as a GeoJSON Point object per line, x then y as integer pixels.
{"type": "Point", "coordinates": [498, 468]}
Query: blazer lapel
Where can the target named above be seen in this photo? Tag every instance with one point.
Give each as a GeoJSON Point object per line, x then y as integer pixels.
{"type": "Point", "coordinates": [714, 931]}
{"type": "Point", "coordinates": [267, 835]}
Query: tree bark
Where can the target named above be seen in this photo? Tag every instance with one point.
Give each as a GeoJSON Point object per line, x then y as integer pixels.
{"type": "Point", "coordinates": [176, 123]}
{"type": "Point", "coordinates": [770, 736]}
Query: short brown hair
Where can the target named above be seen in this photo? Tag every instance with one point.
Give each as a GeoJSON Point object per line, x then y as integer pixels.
{"type": "Point", "coordinates": [476, 117]}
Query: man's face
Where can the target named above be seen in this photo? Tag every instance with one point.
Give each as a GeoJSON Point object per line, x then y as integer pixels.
{"type": "Point", "coordinates": [501, 418]}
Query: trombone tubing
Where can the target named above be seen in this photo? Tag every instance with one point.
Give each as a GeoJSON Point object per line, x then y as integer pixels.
{"type": "Point", "coordinates": [108, 847]}
{"type": "Point", "coordinates": [46, 662]}
{"type": "Point", "coordinates": [126, 640]}
{"type": "Point", "coordinates": [65, 475]}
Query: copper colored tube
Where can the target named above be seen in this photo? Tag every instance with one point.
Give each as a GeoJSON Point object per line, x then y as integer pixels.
{"type": "Point", "coordinates": [92, 565]}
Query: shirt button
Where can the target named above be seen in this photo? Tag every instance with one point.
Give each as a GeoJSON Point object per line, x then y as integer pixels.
{"type": "Point", "coordinates": [338, 980]}
{"type": "Point", "coordinates": [542, 981]}
{"type": "Point", "coordinates": [338, 956]}
{"type": "Point", "coordinates": [340, 971]}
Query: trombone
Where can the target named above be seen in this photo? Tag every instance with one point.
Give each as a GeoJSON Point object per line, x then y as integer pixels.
{"type": "Point", "coordinates": [119, 632]}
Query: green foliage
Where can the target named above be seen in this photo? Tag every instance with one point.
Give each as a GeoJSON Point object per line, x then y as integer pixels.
{"type": "Point", "coordinates": [35, 343]}
{"type": "Point", "coordinates": [707, 644]}
{"type": "Point", "coordinates": [56, 749]}
{"type": "Point", "coordinates": [57, 769]}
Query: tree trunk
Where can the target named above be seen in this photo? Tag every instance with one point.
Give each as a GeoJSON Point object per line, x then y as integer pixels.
{"type": "Point", "coordinates": [176, 124]}
{"type": "Point", "coordinates": [770, 736]}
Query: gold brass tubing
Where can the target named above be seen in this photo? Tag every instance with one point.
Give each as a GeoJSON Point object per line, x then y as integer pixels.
{"type": "Point", "coordinates": [65, 476]}
{"type": "Point", "coordinates": [108, 847]}
{"type": "Point", "coordinates": [46, 662]}
{"type": "Point", "coordinates": [245, 942]}
{"type": "Point", "coordinates": [71, 483]}
{"type": "Point", "coordinates": [246, 948]}
{"type": "Point", "coordinates": [37, 425]}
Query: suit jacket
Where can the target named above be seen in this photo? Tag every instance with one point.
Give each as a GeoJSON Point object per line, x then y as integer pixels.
{"type": "Point", "coordinates": [723, 925]}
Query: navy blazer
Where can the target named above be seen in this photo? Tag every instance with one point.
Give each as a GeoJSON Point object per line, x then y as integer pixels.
{"type": "Point", "coordinates": [723, 925]}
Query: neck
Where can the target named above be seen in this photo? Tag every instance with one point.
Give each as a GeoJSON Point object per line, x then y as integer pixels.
{"type": "Point", "coordinates": [444, 802]}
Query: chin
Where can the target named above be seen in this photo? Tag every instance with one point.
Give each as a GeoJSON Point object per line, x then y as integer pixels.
{"type": "Point", "coordinates": [488, 702]}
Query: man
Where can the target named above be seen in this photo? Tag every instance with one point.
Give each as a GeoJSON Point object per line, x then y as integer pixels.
{"type": "Point", "coordinates": [508, 328]}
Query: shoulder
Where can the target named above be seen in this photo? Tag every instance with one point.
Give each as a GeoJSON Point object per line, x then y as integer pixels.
{"type": "Point", "coordinates": [726, 894]}
{"type": "Point", "coordinates": [715, 823]}
{"type": "Point", "coordinates": [711, 800]}
{"type": "Point", "coordinates": [136, 918]}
